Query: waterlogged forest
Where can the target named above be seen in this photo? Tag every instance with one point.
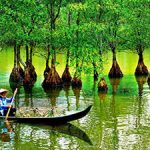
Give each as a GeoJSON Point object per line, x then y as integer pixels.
{"type": "Point", "coordinates": [71, 54]}
{"type": "Point", "coordinates": [82, 30]}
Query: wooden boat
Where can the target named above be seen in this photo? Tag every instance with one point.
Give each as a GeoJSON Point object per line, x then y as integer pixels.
{"type": "Point", "coordinates": [51, 120]}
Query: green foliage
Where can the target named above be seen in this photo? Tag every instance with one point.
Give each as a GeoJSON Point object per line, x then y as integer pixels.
{"type": "Point", "coordinates": [86, 27]}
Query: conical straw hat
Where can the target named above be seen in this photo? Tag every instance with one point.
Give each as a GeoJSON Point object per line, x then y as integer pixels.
{"type": "Point", "coordinates": [3, 90]}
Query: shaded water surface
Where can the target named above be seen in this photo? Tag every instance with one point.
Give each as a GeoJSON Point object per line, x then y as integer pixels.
{"type": "Point", "coordinates": [118, 120]}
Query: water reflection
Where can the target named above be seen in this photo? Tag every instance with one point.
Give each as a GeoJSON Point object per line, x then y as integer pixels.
{"type": "Point", "coordinates": [102, 95]}
{"type": "Point", "coordinates": [115, 137]}
{"type": "Point", "coordinates": [115, 83]}
{"type": "Point", "coordinates": [6, 131]}
{"type": "Point", "coordinates": [141, 80]}
{"type": "Point", "coordinates": [76, 91]}
{"type": "Point", "coordinates": [110, 133]}
{"type": "Point", "coordinates": [52, 137]}
{"type": "Point", "coordinates": [69, 129]}
{"type": "Point", "coordinates": [66, 89]}
{"type": "Point", "coordinates": [52, 94]}
{"type": "Point", "coordinates": [28, 97]}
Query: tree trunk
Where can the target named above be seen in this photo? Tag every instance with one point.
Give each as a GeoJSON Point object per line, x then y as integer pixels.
{"type": "Point", "coordinates": [66, 76]}
{"type": "Point", "coordinates": [115, 71]}
{"type": "Point", "coordinates": [95, 72]}
{"type": "Point", "coordinates": [15, 55]}
{"type": "Point", "coordinates": [141, 69]}
{"type": "Point", "coordinates": [52, 79]}
{"type": "Point", "coordinates": [76, 81]}
{"type": "Point", "coordinates": [148, 80]}
{"type": "Point", "coordinates": [21, 71]}
{"type": "Point", "coordinates": [27, 54]}
{"type": "Point", "coordinates": [30, 74]}
{"type": "Point", "coordinates": [31, 51]}
{"type": "Point", "coordinates": [17, 74]}
{"type": "Point", "coordinates": [47, 68]}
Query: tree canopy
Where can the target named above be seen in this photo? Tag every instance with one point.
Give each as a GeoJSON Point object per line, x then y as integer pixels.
{"type": "Point", "coordinates": [88, 28]}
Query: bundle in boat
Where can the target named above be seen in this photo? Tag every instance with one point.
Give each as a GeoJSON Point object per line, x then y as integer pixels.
{"type": "Point", "coordinates": [40, 112]}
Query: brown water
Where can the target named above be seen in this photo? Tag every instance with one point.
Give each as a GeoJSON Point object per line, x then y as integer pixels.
{"type": "Point", "coordinates": [118, 120]}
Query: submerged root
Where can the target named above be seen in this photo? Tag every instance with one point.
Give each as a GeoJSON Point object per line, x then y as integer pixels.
{"type": "Point", "coordinates": [115, 71]}
{"type": "Point", "coordinates": [102, 85]}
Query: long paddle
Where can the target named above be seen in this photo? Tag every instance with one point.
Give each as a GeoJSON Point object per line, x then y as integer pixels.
{"type": "Point", "coordinates": [11, 104]}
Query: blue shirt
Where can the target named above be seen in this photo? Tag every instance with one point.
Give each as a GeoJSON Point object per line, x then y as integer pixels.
{"type": "Point", "coordinates": [3, 103]}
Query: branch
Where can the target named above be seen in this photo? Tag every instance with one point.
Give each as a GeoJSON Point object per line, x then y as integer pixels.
{"type": "Point", "coordinates": [32, 21]}
{"type": "Point", "coordinates": [60, 3]}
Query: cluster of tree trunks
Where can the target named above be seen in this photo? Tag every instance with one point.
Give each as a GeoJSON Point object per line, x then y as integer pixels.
{"type": "Point", "coordinates": [18, 76]}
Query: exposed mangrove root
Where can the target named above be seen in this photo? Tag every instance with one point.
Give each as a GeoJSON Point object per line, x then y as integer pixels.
{"type": "Point", "coordinates": [16, 78]}
{"type": "Point", "coordinates": [66, 76]}
{"type": "Point", "coordinates": [52, 79]}
{"type": "Point", "coordinates": [115, 71]}
{"type": "Point", "coordinates": [76, 82]}
{"type": "Point", "coordinates": [16, 75]}
{"type": "Point", "coordinates": [30, 76]}
{"type": "Point", "coordinates": [102, 85]}
{"type": "Point", "coordinates": [141, 69]}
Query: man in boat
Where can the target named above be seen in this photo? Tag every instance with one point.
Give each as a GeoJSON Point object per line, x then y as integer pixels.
{"type": "Point", "coordinates": [4, 104]}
